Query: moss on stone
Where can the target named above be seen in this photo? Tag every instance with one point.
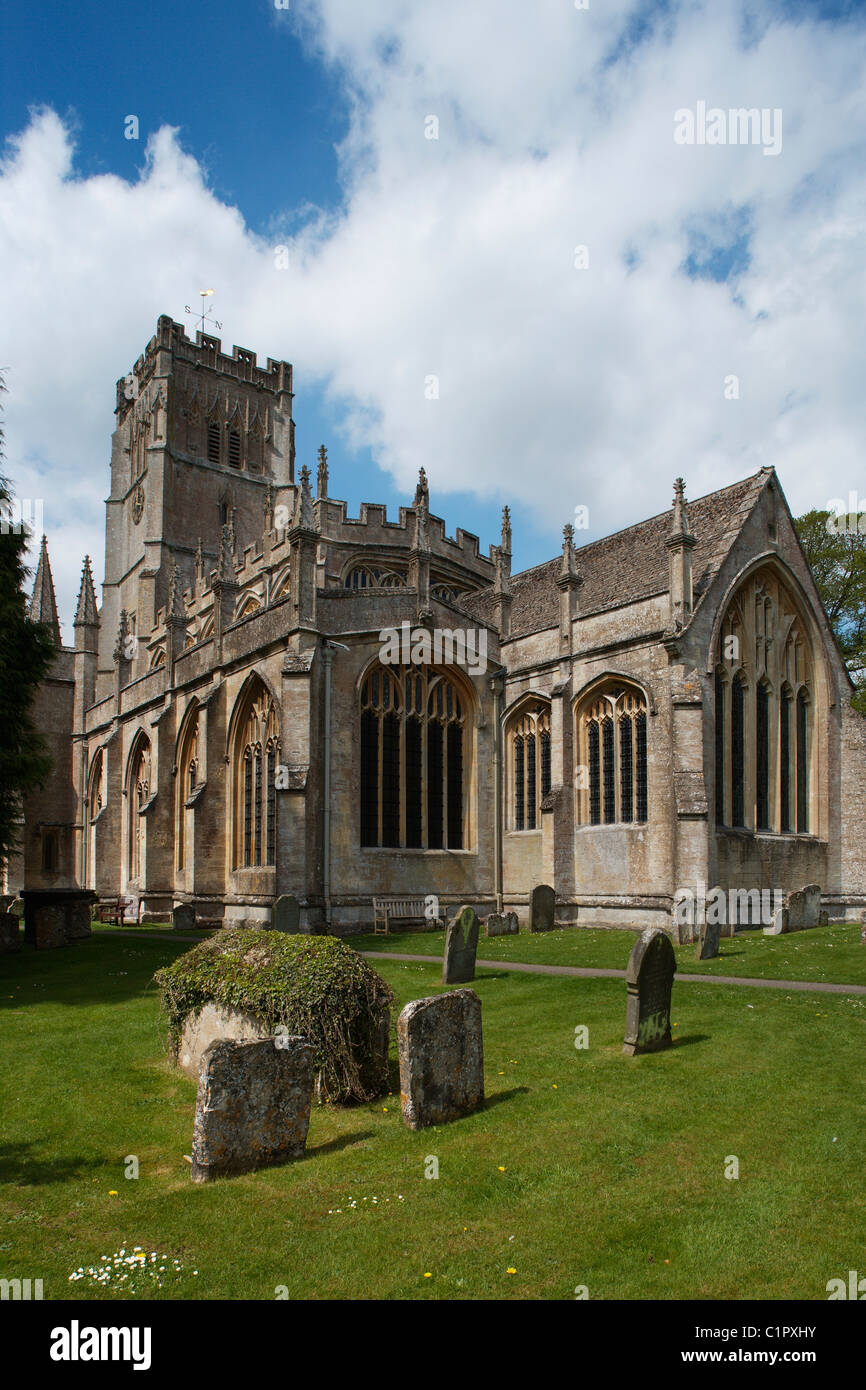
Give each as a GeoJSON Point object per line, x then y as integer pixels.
{"type": "Point", "coordinates": [315, 986]}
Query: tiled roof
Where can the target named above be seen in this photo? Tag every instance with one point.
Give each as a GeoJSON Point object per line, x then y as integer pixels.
{"type": "Point", "coordinates": [628, 566]}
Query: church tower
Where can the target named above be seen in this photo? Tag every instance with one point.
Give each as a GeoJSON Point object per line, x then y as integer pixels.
{"type": "Point", "coordinates": [200, 439]}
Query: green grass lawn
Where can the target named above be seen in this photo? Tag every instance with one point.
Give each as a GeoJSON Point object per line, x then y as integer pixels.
{"type": "Point", "coordinates": [827, 954]}
{"type": "Point", "coordinates": [584, 1167]}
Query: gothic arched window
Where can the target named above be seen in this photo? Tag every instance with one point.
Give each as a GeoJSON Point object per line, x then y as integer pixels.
{"type": "Point", "coordinates": [256, 758]}
{"type": "Point", "coordinates": [138, 795]}
{"type": "Point", "coordinates": [413, 759]}
{"type": "Point", "coordinates": [187, 778]}
{"type": "Point", "coordinates": [763, 710]}
{"type": "Point", "coordinates": [96, 794]}
{"type": "Point", "coordinates": [528, 742]}
{"type": "Point", "coordinates": [612, 747]}
{"type": "Point", "coordinates": [374, 577]}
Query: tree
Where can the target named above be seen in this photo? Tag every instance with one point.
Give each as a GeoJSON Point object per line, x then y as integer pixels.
{"type": "Point", "coordinates": [835, 547]}
{"type": "Point", "coordinates": [26, 652]}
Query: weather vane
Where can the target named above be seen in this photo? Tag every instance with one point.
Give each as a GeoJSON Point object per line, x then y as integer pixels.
{"type": "Point", "coordinates": [204, 317]}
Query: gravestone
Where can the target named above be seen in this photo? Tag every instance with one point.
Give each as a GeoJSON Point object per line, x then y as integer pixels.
{"type": "Point", "coordinates": [10, 934]}
{"type": "Point", "coordinates": [183, 917]}
{"type": "Point", "coordinates": [863, 928]}
{"type": "Point", "coordinates": [501, 924]}
{"type": "Point", "coordinates": [804, 907]}
{"type": "Point", "coordinates": [253, 1106]}
{"type": "Point", "coordinates": [708, 942]}
{"type": "Point", "coordinates": [286, 916]}
{"type": "Point", "coordinates": [542, 906]}
{"type": "Point", "coordinates": [50, 927]}
{"type": "Point", "coordinates": [799, 911]}
{"type": "Point", "coordinates": [17, 907]}
{"type": "Point", "coordinates": [649, 978]}
{"type": "Point", "coordinates": [461, 947]}
{"type": "Point", "coordinates": [441, 1058]}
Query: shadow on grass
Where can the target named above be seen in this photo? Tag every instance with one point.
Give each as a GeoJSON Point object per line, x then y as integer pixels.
{"type": "Point", "coordinates": [692, 1038]}
{"type": "Point", "coordinates": [490, 1101]}
{"type": "Point", "coordinates": [18, 1168]}
{"type": "Point", "coordinates": [101, 970]}
{"type": "Point", "coordinates": [342, 1141]}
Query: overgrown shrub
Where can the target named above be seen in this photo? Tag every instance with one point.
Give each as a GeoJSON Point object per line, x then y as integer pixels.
{"type": "Point", "coordinates": [315, 986]}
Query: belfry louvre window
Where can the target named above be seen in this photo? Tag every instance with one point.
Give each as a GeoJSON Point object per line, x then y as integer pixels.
{"type": "Point", "coordinates": [529, 753]}
{"type": "Point", "coordinates": [235, 448]}
{"type": "Point", "coordinates": [213, 442]}
{"type": "Point", "coordinates": [413, 763]}
{"type": "Point", "coordinates": [764, 703]}
{"type": "Point", "coordinates": [256, 759]}
{"type": "Point", "coordinates": [612, 747]}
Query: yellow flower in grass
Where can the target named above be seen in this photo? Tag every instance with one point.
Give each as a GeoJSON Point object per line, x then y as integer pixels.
{"type": "Point", "coordinates": [501, 1169]}
{"type": "Point", "coordinates": [112, 1193]}
{"type": "Point", "coordinates": [511, 1271]}
{"type": "Point", "coordinates": [428, 1276]}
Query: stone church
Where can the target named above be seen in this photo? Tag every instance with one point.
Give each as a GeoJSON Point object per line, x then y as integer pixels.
{"type": "Point", "coordinates": [662, 709]}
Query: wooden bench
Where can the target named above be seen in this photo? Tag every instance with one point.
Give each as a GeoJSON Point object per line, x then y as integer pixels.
{"type": "Point", "coordinates": [115, 910]}
{"type": "Point", "coordinates": [388, 910]}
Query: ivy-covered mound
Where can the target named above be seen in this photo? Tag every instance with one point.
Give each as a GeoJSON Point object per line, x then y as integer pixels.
{"type": "Point", "coordinates": [317, 986]}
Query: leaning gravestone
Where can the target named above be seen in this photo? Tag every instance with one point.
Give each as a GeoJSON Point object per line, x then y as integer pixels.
{"type": "Point", "coordinates": [441, 1058]}
{"type": "Point", "coordinates": [501, 924]}
{"type": "Point", "coordinates": [10, 934]}
{"type": "Point", "coordinates": [461, 947]}
{"type": "Point", "coordinates": [542, 905]}
{"type": "Point", "coordinates": [650, 977]}
{"type": "Point", "coordinates": [708, 941]}
{"type": "Point", "coordinates": [286, 916]}
{"type": "Point", "coordinates": [253, 1106]}
{"type": "Point", "coordinates": [183, 917]}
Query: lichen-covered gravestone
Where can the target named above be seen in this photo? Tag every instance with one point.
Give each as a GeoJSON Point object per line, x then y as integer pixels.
{"type": "Point", "coordinates": [253, 1106]}
{"type": "Point", "coordinates": [286, 916]}
{"type": "Point", "coordinates": [183, 917]}
{"type": "Point", "coordinates": [542, 905]}
{"type": "Point", "coordinates": [461, 948]}
{"type": "Point", "coordinates": [501, 924]}
{"type": "Point", "coordinates": [650, 977]}
{"type": "Point", "coordinates": [708, 941]}
{"type": "Point", "coordinates": [441, 1058]}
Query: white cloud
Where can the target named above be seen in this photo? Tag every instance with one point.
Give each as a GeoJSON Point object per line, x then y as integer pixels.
{"type": "Point", "coordinates": [454, 257]}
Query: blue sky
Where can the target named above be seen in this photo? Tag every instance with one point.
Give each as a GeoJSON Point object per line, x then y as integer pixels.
{"type": "Point", "coordinates": [455, 256]}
